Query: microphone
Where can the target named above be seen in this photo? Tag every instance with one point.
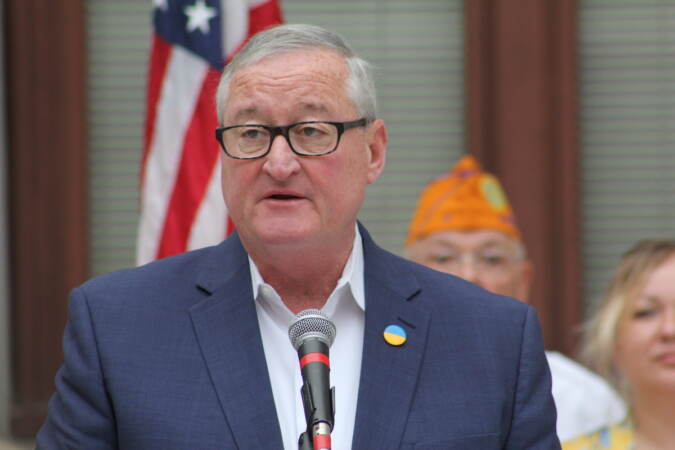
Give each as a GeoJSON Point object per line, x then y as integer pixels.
{"type": "Point", "coordinates": [312, 334]}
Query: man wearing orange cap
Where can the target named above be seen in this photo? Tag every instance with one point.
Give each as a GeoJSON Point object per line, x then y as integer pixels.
{"type": "Point", "coordinates": [464, 225]}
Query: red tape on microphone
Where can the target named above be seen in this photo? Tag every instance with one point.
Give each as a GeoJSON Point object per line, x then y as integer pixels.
{"type": "Point", "coordinates": [321, 441]}
{"type": "Point", "coordinates": [314, 357]}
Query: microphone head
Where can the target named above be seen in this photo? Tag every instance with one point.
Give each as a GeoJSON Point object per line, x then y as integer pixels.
{"type": "Point", "coordinates": [311, 323]}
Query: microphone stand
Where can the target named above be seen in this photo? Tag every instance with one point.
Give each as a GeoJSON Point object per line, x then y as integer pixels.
{"type": "Point", "coordinates": [316, 429]}
{"type": "Point", "coordinates": [305, 442]}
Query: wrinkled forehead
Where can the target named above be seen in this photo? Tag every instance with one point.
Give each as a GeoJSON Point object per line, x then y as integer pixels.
{"type": "Point", "coordinates": [313, 79]}
{"type": "Point", "coordinates": [320, 65]}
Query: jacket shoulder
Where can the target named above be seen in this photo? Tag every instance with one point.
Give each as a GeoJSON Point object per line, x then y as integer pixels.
{"type": "Point", "coordinates": [173, 280]}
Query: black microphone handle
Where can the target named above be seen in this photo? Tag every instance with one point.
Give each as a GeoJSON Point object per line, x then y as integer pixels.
{"type": "Point", "coordinates": [316, 393]}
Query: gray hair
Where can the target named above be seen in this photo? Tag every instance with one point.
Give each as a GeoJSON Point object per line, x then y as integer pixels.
{"type": "Point", "coordinates": [288, 38]}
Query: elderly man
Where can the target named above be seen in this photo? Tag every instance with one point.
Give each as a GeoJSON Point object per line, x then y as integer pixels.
{"type": "Point", "coordinates": [191, 352]}
{"type": "Point", "coordinates": [464, 226]}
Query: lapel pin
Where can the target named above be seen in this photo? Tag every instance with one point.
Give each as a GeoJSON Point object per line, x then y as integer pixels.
{"type": "Point", "coordinates": [395, 335]}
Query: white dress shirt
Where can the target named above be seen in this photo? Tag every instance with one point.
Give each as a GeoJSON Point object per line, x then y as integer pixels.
{"type": "Point", "coordinates": [585, 402]}
{"type": "Point", "coordinates": [346, 308]}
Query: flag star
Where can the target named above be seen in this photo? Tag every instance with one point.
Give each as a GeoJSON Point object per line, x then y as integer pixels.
{"type": "Point", "coordinates": [161, 4]}
{"type": "Point", "coordinates": [198, 16]}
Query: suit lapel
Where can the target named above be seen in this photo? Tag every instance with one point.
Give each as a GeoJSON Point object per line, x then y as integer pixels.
{"type": "Point", "coordinates": [226, 326]}
{"type": "Point", "coordinates": [388, 374]}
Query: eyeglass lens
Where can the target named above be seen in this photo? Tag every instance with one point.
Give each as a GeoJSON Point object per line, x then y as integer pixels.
{"type": "Point", "coordinates": [305, 138]}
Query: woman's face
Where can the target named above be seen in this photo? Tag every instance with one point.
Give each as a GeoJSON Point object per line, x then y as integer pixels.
{"type": "Point", "coordinates": [645, 351]}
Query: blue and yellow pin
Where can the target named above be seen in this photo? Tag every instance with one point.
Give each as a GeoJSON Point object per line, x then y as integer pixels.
{"type": "Point", "coordinates": [395, 335]}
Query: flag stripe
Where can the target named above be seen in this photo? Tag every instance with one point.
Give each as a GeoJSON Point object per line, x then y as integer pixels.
{"type": "Point", "coordinates": [210, 224]}
{"type": "Point", "coordinates": [179, 94]}
{"type": "Point", "coordinates": [263, 16]}
{"type": "Point", "coordinates": [199, 155]}
{"type": "Point", "coordinates": [235, 27]}
{"type": "Point", "coordinates": [159, 60]}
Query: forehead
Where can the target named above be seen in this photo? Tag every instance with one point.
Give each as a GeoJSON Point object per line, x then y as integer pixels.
{"type": "Point", "coordinates": [661, 281]}
{"type": "Point", "coordinates": [473, 239]}
{"type": "Point", "coordinates": [314, 79]}
{"type": "Point", "coordinates": [652, 287]}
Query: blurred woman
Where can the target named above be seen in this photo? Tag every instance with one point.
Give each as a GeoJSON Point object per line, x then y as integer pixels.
{"type": "Point", "coordinates": [631, 342]}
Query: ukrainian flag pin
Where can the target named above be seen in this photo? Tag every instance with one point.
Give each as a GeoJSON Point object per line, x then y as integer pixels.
{"type": "Point", "coordinates": [395, 335]}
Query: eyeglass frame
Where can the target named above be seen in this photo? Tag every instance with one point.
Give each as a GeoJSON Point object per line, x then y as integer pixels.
{"type": "Point", "coordinates": [283, 131]}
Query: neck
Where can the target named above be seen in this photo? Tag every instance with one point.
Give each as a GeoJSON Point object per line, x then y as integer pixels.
{"type": "Point", "coordinates": [303, 276]}
{"type": "Point", "coordinates": [654, 420]}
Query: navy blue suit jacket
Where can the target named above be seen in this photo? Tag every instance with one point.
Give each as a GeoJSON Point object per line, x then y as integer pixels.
{"type": "Point", "coordinates": [169, 356]}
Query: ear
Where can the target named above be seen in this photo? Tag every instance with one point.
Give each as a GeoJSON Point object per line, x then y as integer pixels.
{"type": "Point", "coordinates": [376, 140]}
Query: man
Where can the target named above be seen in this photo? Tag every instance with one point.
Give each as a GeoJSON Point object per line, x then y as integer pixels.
{"type": "Point", "coordinates": [191, 352]}
{"type": "Point", "coordinates": [464, 226]}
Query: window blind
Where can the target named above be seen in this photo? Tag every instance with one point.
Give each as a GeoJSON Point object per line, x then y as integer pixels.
{"type": "Point", "coordinates": [416, 48]}
{"type": "Point", "coordinates": [118, 50]}
{"type": "Point", "coordinates": [627, 101]}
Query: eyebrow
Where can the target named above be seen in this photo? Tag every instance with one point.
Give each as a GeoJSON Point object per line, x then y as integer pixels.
{"type": "Point", "coordinates": [482, 246]}
{"type": "Point", "coordinates": [501, 245]}
{"type": "Point", "coordinates": [645, 301]}
{"type": "Point", "coordinates": [649, 299]}
{"type": "Point", "coordinates": [244, 113]}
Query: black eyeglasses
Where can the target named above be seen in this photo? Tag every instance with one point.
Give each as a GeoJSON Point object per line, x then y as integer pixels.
{"type": "Point", "coordinates": [313, 138]}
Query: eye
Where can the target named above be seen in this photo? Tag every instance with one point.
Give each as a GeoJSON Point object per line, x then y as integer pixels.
{"type": "Point", "coordinates": [251, 133]}
{"type": "Point", "coordinates": [643, 313]}
{"type": "Point", "coordinates": [493, 259]}
{"type": "Point", "coordinates": [442, 258]}
{"type": "Point", "coordinates": [311, 130]}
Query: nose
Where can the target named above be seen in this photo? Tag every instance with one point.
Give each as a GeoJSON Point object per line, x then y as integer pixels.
{"type": "Point", "coordinates": [467, 270]}
{"type": "Point", "coordinates": [281, 162]}
{"type": "Point", "coordinates": [668, 324]}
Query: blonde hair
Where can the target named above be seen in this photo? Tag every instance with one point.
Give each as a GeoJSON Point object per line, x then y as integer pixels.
{"type": "Point", "coordinates": [600, 332]}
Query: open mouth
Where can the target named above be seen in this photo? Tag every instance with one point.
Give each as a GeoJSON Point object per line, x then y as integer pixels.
{"type": "Point", "coordinates": [284, 197]}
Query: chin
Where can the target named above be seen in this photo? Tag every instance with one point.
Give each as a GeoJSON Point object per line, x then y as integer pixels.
{"type": "Point", "coordinates": [285, 232]}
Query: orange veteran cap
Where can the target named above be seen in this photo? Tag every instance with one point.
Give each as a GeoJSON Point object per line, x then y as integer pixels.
{"type": "Point", "coordinates": [465, 199]}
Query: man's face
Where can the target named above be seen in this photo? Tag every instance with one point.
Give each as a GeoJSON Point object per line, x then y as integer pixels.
{"type": "Point", "coordinates": [285, 199]}
{"type": "Point", "coordinates": [488, 258]}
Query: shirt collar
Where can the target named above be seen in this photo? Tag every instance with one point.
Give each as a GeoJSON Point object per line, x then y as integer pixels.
{"type": "Point", "coordinates": [351, 278]}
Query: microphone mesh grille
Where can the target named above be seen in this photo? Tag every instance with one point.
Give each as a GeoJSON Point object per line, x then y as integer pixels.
{"type": "Point", "coordinates": [311, 323]}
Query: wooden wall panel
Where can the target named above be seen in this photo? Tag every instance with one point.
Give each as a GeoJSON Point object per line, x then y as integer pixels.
{"type": "Point", "coordinates": [48, 207]}
{"type": "Point", "coordinates": [522, 125]}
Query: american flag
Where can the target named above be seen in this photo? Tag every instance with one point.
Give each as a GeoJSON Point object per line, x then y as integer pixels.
{"type": "Point", "coordinates": [181, 204]}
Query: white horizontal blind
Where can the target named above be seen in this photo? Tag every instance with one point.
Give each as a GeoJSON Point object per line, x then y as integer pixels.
{"type": "Point", "coordinates": [627, 79]}
{"type": "Point", "coordinates": [118, 50]}
{"type": "Point", "coordinates": [416, 47]}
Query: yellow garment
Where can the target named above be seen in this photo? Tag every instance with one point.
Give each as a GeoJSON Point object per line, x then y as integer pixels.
{"type": "Point", "coordinates": [615, 437]}
{"type": "Point", "coordinates": [465, 199]}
